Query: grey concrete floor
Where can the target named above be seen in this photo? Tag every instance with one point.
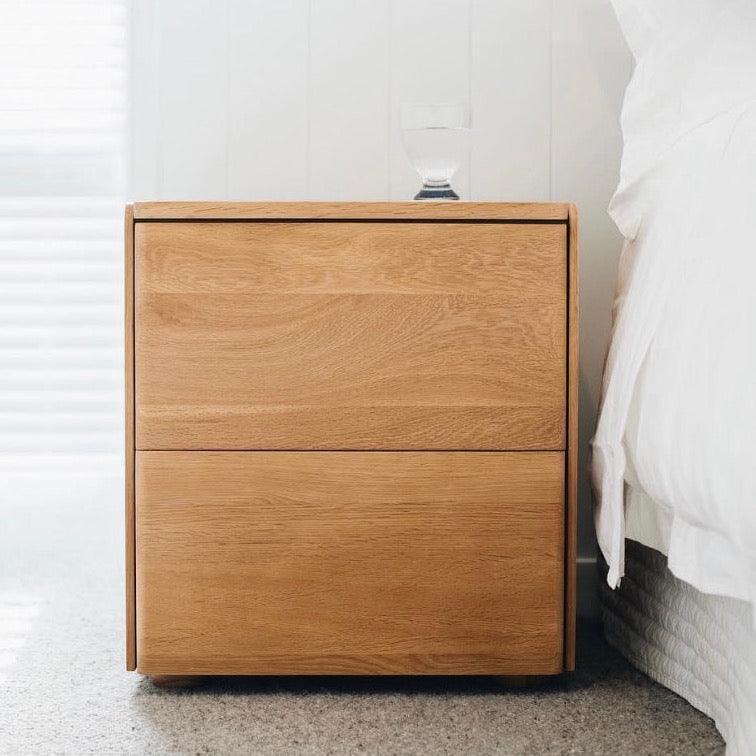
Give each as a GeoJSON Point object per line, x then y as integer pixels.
{"type": "Point", "coordinates": [64, 690]}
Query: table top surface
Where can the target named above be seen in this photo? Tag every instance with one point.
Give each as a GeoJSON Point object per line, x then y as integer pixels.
{"type": "Point", "coordinates": [412, 210]}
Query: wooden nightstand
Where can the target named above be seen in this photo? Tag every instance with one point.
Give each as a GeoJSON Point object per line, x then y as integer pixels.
{"type": "Point", "coordinates": [351, 438]}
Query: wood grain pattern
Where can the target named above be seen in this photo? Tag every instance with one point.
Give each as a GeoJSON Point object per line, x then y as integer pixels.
{"type": "Point", "coordinates": [502, 211]}
{"type": "Point", "coordinates": [350, 563]}
{"type": "Point", "coordinates": [128, 267]}
{"type": "Point", "coordinates": [462, 331]}
{"type": "Point", "coordinates": [350, 336]}
{"type": "Point", "coordinates": [573, 379]}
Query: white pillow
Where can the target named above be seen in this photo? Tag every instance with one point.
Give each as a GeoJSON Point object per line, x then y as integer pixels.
{"type": "Point", "coordinates": [695, 60]}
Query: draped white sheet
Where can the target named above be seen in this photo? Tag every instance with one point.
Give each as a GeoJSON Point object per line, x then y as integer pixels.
{"type": "Point", "coordinates": [678, 417]}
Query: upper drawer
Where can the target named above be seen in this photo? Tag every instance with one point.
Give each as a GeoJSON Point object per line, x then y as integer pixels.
{"type": "Point", "coordinates": [350, 335]}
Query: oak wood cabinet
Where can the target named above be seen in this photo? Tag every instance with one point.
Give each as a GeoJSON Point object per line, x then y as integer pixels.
{"type": "Point", "coordinates": [351, 438]}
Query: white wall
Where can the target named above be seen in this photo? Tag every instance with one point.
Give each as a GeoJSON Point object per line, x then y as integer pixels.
{"type": "Point", "coordinates": [299, 99]}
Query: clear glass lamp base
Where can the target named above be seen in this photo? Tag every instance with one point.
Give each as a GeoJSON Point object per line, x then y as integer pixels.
{"type": "Point", "coordinates": [437, 192]}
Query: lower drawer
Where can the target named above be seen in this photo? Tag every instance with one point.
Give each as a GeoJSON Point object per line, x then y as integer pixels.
{"type": "Point", "coordinates": [349, 562]}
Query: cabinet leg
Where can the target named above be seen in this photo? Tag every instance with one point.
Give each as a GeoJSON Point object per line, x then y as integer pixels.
{"type": "Point", "coordinates": [177, 681]}
{"type": "Point", "coordinates": [522, 681]}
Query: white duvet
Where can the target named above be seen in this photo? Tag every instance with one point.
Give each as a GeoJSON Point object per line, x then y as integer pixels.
{"type": "Point", "coordinates": [678, 418]}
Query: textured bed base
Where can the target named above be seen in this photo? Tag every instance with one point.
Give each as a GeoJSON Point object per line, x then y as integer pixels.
{"type": "Point", "coordinates": [702, 647]}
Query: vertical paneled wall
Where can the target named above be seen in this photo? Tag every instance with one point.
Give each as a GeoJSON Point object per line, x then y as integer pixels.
{"type": "Point", "coordinates": [300, 99]}
{"type": "Point", "coordinates": [591, 66]}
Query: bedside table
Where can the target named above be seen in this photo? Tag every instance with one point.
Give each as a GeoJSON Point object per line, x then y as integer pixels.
{"type": "Point", "coordinates": [351, 438]}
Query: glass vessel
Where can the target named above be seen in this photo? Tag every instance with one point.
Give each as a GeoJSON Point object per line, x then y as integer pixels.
{"type": "Point", "coordinates": [436, 139]}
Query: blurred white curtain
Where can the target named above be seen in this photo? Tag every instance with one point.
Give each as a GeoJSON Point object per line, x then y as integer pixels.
{"type": "Point", "coordinates": [63, 100]}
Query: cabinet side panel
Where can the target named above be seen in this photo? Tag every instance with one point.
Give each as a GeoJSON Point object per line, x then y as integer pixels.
{"type": "Point", "coordinates": [128, 310]}
{"type": "Point", "coordinates": [573, 374]}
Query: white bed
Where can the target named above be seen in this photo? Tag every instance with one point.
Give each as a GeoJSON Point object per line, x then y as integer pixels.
{"type": "Point", "coordinates": [701, 646]}
{"type": "Point", "coordinates": [674, 457]}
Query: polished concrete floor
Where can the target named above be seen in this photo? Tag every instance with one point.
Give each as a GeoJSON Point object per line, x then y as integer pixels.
{"type": "Point", "coordinates": [63, 688]}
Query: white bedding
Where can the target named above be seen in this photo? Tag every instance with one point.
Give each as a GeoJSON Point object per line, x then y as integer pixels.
{"type": "Point", "coordinates": [678, 418]}
{"type": "Point", "coordinates": [701, 646]}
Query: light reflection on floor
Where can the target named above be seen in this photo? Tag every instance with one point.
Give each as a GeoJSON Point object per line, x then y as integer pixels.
{"type": "Point", "coordinates": [17, 614]}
